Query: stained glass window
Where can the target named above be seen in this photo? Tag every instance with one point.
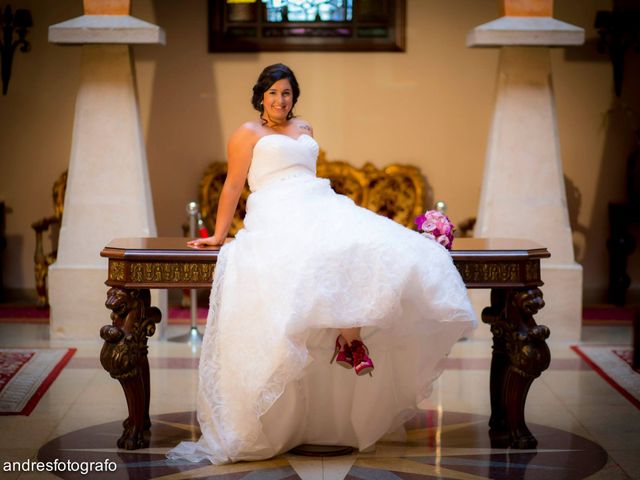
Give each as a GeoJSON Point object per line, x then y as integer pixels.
{"type": "Point", "coordinates": [309, 10]}
{"type": "Point", "coordinates": [329, 25]}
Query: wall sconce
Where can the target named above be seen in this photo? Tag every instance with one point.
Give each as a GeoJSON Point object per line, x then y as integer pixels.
{"type": "Point", "coordinates": [18, 23]}
{"type": "Point", "coordinates": [619, 30]}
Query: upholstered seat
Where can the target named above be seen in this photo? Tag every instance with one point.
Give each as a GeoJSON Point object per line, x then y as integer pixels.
{"type": "Point", "coordinates": [395, 191]}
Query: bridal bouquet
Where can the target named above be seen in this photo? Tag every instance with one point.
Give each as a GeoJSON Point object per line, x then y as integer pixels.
{"type": "Point", "coordinates": [436, 226]}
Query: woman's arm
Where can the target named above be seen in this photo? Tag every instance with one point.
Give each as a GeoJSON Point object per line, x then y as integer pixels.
{"type": "Point", "coordinates": [239, 153]}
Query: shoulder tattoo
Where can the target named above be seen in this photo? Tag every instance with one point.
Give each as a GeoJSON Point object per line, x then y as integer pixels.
{"type": "Point", "coordinates": [305, 127]}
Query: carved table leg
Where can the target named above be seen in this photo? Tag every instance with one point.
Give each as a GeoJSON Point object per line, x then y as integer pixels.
{"type": "Point", "coordinates": [124, 356]}
{"type": "Point", "coordinates": [520, 354]}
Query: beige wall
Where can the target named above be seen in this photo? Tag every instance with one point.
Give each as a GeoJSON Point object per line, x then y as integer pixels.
{"type": "Point", "coordinates": [430, 106]}
{"type": "Point", "coordinates": [36, 118]}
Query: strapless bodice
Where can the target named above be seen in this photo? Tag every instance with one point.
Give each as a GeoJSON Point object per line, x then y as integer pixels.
{"type": "Point", "coordinates": [278, 157]}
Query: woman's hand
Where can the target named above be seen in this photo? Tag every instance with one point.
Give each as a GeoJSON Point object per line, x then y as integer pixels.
{"type": "Point", "coordinates": [203, 242]}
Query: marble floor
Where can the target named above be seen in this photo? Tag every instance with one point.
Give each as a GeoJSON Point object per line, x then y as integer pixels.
{"type": "Point", "coordinates": [586, 429]}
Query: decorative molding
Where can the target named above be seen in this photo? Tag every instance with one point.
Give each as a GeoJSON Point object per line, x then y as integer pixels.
{"type": "Point", "coordinates": [110, 29]}
{"type": "Point", "coordinates": [160, 272]}
{"type": "Point", "coordinates": [171, 272]}
{"type": "Point", "coordinates": [117, 270]}
{"type": "Point", "coordinates": [499, 272]}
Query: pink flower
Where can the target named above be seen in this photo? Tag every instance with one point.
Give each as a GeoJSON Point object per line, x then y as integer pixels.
{"type": "Point", "coordinates": [429, 227]}
{"type": "Point", "coordinates": [443, 240]}
{"type": "Point", "coordinates": [436, 226]}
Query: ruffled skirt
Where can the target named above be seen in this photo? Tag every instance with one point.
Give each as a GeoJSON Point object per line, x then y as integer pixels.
{"type": "Point", "coordinates": [307, 263]}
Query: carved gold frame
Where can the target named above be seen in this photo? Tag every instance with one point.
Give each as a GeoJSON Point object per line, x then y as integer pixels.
{"type": "Point", "coordinates": [395, 191]}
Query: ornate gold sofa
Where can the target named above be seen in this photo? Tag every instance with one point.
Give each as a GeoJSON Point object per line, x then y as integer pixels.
{"type": "Point", "coordinates": [396, 191]}
{"type": "Point", "coordinates": [41, 259]}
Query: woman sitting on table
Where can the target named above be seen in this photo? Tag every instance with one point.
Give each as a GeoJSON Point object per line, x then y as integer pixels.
{"type": "Point", "coordinates": [313, 278]}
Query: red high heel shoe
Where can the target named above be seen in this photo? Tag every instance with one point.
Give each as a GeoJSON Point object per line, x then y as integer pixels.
{"type": "Point", "coordinates": [342, 354]}
{"type": "Point", "coordinates": [361, 361]}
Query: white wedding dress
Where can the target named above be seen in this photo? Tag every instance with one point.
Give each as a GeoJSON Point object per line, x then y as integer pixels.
{"type": "Point", "coordinates": [308, 262]}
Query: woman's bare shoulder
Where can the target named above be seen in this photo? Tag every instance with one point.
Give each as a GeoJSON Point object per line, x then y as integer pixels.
{"type": "Point", "coordinates": [302, 126]}
{"type": "Point", "coordinates": [247, 133]}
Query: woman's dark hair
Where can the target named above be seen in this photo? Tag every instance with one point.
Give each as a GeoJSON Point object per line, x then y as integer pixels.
{"type": "Point", "coordinates": [268, 77]}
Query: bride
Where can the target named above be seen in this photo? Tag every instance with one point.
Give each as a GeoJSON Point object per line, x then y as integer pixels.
{"type": "Point", "coordinates": [310, 279]}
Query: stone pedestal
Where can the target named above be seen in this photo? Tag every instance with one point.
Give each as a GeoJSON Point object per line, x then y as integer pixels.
{"type": "Point", "coordinates": [523, 193]}
{"type": "Point", "coordinates": [108, 193]}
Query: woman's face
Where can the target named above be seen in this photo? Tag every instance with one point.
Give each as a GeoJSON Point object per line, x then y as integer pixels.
{"type": "Point", "coordinates": [278, 101]}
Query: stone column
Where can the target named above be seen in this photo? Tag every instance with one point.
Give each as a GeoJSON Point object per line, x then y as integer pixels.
{"type": "Point", "coordinates": [523, 193]}
{"type": "Point", "coordinates": [108, 193]}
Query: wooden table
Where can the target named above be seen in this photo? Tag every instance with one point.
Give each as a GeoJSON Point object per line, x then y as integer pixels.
{"type": "Point", "coordinates": [510, 268]}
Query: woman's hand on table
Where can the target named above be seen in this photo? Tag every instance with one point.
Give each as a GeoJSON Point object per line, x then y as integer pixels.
{"type": "Point", "coordinates": [205, 242]}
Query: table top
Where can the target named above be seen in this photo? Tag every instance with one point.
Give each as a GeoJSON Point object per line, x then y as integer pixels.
{"type": "Point", "coordinates": [168, 262]}
{"type": "Point", "coordinates": [176, 248]}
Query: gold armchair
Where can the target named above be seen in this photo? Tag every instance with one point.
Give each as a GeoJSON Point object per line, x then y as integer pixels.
{"type": "Point", "coordinates": [396, 191]}
{"type": "Point", "coordinates": [40, 259]}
